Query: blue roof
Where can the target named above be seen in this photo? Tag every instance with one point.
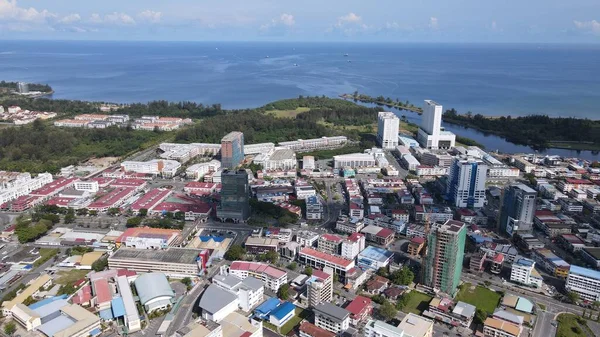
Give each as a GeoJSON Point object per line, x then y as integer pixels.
{"type": "Point", "coordinates": [210, 237]}
{"type": "Point", "coordinates": [95, 332]}
{"type": "Point", "coordinates": [118, 307]}
{"type": "Point", "coordinates": [46, 301]}
{"type": "Point", "coordinates": [106, 314]}
{"type": "Point", "coordinates": [524, 305]}
{"type": "Point", "coordinates": [524, 262]}
{"type": "Point", "coordinates": [376, 253]}
{"type": "Point", "coordinates": [53, 326]}
{"type": "Point", "coordinates": [50, 308]}
{"type": "Point", "coordinates": [283, 310]}
{"type": "Point", "coordinates": [266, 307]}
{"type": "Point", "coordinates": [480, 238]}
{"type": "Point", "coordinates": [585, 272]}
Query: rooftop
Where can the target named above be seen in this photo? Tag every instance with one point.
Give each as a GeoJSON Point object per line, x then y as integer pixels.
{"type": "Point", "coordinates": [257, 267]}
{"type": "Point", "coordinates": [416, 326]}
{"type": "Point", "coordinates": [314, 331]}
{"type": "Point", "coordinates": [376, 253]}
{"type": "Point", "coordinates": [358, 305]}
{"type": "Point", "coordinates": [585, 272]}
{"type": "Point", "coordinates": [510, 328]}
{"type": "Point", "coordinates": [593, 252]}
{"type": "Point", "coordinates": [171, 255]}
{"type": "Point", "coordinates": [331, 310]}
{"type": "Point", "coordinates": [327, 257]}
{"type": "Point", "coordinates": [214, 299]}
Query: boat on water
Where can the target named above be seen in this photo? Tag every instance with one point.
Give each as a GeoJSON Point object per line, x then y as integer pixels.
{"type": "Point", "coordinates": [346, 55]}
{"type": "Point", "coordinates": [267, 57]}
{"type": "Point", "coordinates": [295, 64]}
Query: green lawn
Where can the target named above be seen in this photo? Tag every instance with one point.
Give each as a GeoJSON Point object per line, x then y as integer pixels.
{"type": "Point", "coordinates": [301, 314]}
{"type": "Point", "coordinates": [70, 277]}
{"type": "Point", "coordinates": [417, 303]}
{"type": "Point", "coordinates": [481, 297]}
{"type": "Point", "coordinates": [288, 113]}
{"type": "Point", "coordinates": [45, 255]}
{"type": "Point", "coordinates": [568, 326]}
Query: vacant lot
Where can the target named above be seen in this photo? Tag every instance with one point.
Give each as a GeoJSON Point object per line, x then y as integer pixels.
{"type": "Point", "coordinates": [70, 277]}
{"type": "Point", "coordinates": [288, 113]}
{"type": "Point", "coordinates": [481, 297]}
{"type": "Point", "coordinates": [417, 303]}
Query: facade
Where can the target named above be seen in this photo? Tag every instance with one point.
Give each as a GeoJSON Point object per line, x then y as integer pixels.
{"type": "Point", "coordinates": [232, 150]}
{"type": "Point", "coordinates": [550, 262]}
{"type": "Point", "coordinates": [445, 254]}
{"type": "Point", "coordinates": [388, 126]}
{"type": "Point", "coordinates": [304, 145]}
{"type": "Point", "coordinates": [330, 243]}
{"type": "Point", "coordinates": [585, 282]}
{"type": "Point", "coordinates": [354, 160]}
{"type": "Point", "coordinates": [249, 291]}
{"type": "Point", "coordinates": [162, 167]}
{"type": "Point", "coordinates": [523, 272]}
{"type": "Point", "coordinates": [307, 238]}
{"type": "Point", "coordinates": [360, 309]}
{"type": "Point", "coordinates": [198, 171]}
{"type": "Point", "coordinates": [272, 277]}
{"type": "Point", "coordinates": [353, 245]}
{"type": "Point", "coordinates": [430, 134]}
{"type": "Point", "coordinates": [518, 209]}
{"type": "Point", "coordinates": [331, 317]}
{"type": "Point", "coordinates": [174, 262]}
{"type": "Point", "coordinates": [235, 196]}
{"type": "Point", "coordinates": [320, 260]}
{"type": "Point", "coordinates": [314, 208]}
{"type": "Point", "coordinates": [466, 182]}
{"type": "Point", "coordinates": [319, 288]}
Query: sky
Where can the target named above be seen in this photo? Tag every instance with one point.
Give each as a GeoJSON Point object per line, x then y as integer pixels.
{"type": "Point", "coordinates": [545, 21]}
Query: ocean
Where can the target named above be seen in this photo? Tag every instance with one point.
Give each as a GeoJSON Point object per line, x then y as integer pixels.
{"type": "Point", "coordinates": [491, 79]}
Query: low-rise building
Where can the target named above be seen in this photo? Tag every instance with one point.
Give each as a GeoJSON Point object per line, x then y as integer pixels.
{"type": "Point", "coordinates": [374, 258]}
{"type": "Point", "coordinates": [272, 277]}
{"type": "Point", "coordinates": [249, 291]}
{"type": "Point", "coordinates": [360, 309]}
{"type": "Point", "coordinates": [307, 238]}
{"type": "Point", "coordinates": [330, 243]}
{"type": "Point", "coordinates": [416, 326]}
{"type": "Point", "coordinates": [591, 255]}
{"type": "Point", "coordinates": [375, 328]}
{"type": "Point", "coordinates": [353, 245]}
{"type": "Point", "coordinates": [321, 260]}
{"type": "Point", "coordinates": [553, 264]}
{"type": "Point", "coordinates": [331, 317]}
{"type": "Point", "coordinates": [261, 245]}
{"type": "Point", "coordinates": [445, 310]}
{"type": "Point", "coordinates": [174, 262]}
{"type": "Point", "coordinates": [308, 329]}
{"type": "Point", "coordinates": [523, 272]}
{"type": "Point", "coordinates": [314, 208]}
{"type": "Point", "coordinates": [585, 282]}
{"type": "Point", "coordinates": [571, 242]}
{"type": "Point", "coordinates": [415, 246]}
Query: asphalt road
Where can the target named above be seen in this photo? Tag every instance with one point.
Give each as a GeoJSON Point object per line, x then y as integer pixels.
{"type": "Point", "coordinates": [543, 324]}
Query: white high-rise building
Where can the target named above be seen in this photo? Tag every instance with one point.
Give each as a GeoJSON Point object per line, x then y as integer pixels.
{"type": "Point", "coordinates": [431, 135]}
{"type": "Point", "coordinates": [466, 182]}
{"type": "Point", "coordinates": [388, 126]}
{"type": "Point", "coordinates": [523, 271]}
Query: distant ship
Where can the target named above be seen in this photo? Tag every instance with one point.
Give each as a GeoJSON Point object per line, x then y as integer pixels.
{"type": "Point", "coordinates": [349, 61]}
{"type": "Point", "coordinates": [295, 64]}
{"type": "Point", "coordinates": [345, 55]}
{"type": "Point", "coordinates": [267, 57]}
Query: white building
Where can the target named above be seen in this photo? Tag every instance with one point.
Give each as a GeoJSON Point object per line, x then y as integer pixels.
{"type": "Point", "coordinates": [19, 184]}
{"type": "Point", "coordinates": [272, 277]}
{"type": "Point", "coordinates": [166, 168]}
{"type": "Point", "coordinates": [375, 328]}
{"type": "Point", "coordinates": [132, 316]}
{"type": "Point", "coordinates": [307, 238]}
{"type": "Point", "coordinates": [466, 182]}
{"type": "Point", "coordinates": [388, 126]}
{"type": "Point", "coordinates": [277, 159]}
{"type": "Point", "coordinates": [87, 186]}
{"type": "Point", "coordinates": [410, 162]}
{"type": "Point", "coordinates": [315, 144]}
{"type": "Point", "coordinates": [585, 282]}
{"type": "Point", "coordinates": [319, 288]}
{"type": "Point", "coordinates": [197, 171]}
{"type": "Point", "coordinates": [430, 134]}
{"type": "Point", "coordinates": [308, 163]}
{"type": "Point", "coordinates": [253, 149]}
{"type": "Point", "coordinates": [353, 245]}
{"type": "Point", "coordinates": [353, 160]}
{"type": "Point", "coordinates": [305, 191]}
{"type": "Point", "coordinates": [523, 272]}
{"type": "Point", "coordinates": [249, 291]}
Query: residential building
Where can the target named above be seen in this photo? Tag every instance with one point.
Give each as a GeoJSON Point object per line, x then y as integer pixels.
{"type": "Point", "coordinates": [331, 317]}
{"type": "Point", "coordinates": [232, 150]}
{"type": "Point", "coordinates": [353, 245]}
{"type": "Point", "coordinates": [319, 288]}
{"type": "Point", "coordinates": [321, 260]}
{"type": "Point", "coordinates": [272, 277]}
{"type": "Point", "coordinates": [388, 126]}
{"type": "Point", "coordinates": [261, 245]}
{"type": "Point", "coordinates": [235, 196]}
{"type": "Point", "coordinates": [349, 225]}
{"type": "Point", "coordinates": [310, 330]}
{"type": "Point", "coordinates": [330, 243]}
{"type": "Point", "coordinates": [303, 145]}
{"type": "Point", "coordinates": [415, 246]}
{"type": "Point", "coordinates": [354, 160]}
{"type": "Point", "coordinates": [571, 242]}
{"type": "Point", "coordinates": [585, 282]}
{"type": "Point", "coordinates": [592, 256]}
{"type": "Point", "coordinates": [493, 327]}
{"type": "Point", "coordinates": [307, 238]}
{"type": "Point", "coordinates": [360, 309]}
{"type": "Point", "coordinates": [379, 235]}
{"type": "Point", "coordinates": [416, 326]}
{"type": "Point", "coordinates": [374, 258]}
{"type": "Point", "coordinates": [517, 209]}
{"type": "Point", "coordinates": [248, 291]}
{"type": "Point", "coordinates": [550, 262]}
{"type": "Point", "coordinates": [445, 254]}
{"type": "Point", "coordinates": [445, 310]}
{"type": "Point", "coordinates": [431, 135]}
{"type": "Point", "coordinates": [466, 182]}
{"type": "Point", "coordinates": [523, 272]}
{"type": "Point", "coordinates": [375, 328]}
{"type": "Point", "coordinates": [314, 208]}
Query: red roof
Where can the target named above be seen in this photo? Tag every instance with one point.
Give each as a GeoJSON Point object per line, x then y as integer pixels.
{"type": "Point", "coordinates": [150, 199]}
{"type": "Point", "coordinates": [102, 290]}
{"type": "Point", "coordinates": [359, 305]}
{"type": "Point", "coordinates": [417, 240]}
{"type": "Point", "coordinates": [196, 184]}
{"type": "Point", "coordinates": [129, 182]}
{"type": "Point", "coordinates": [126, 272]}
{"type": "Point", "coordinates": [499, 258]}
{"type": "Point", "coordinates": [354, 205]}
{"type": "Point", "coordinates": [110, 199]}
{"type": "Point", "coordinates": [314, 331]}
{"type": "Point", "coordinates": [340, 261]}
{"type": "Point", "coordinates": [198, 207]}
{"type": "Point", "coordinates": [385, 232]}
{"type": "Point", "coordinates": [578, 181]}
{"type": "Point", "coordinates": [332, 237]}
{"type": "Point", "coordinates": [84, 295]}
{"type": "Point", "coordinates": [54, 187]}
{"type": "Point", "coordinates": [256, 267]}
{"type": "Point", "coordinates": [320, 274]}
{"type": "Point", "coordinates": [355, 236]}
{"type": "Point", "coordinates": [466, 212]}
{"type": "Point", "coordinates": [399, 211]}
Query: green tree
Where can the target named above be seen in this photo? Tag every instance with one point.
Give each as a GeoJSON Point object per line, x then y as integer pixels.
{"type": "Point", "coordinates": [100, 264]}
{"type": "Point", "coordinates": [10, 328]}
{"type": "Point", "coordinates": [93, 213]}
{"type": "Point", "coordinates": [308, 271]}
{"type": "Point", "coordinates": [292, 266]}
{"type": "Point", "coordinates": [272, 257]}
{"type": "Point", "coordinates": [235, 252]}
{"type": "Point", "coordinates": [573, 297]}
{"type": "Point", "coordinates": [403, 276]}
{"type": "Point", "coordinates": [283, 292]}
{"type": "Point", "coordinates": [82, 211]}
{"type": "Point", "coordinates": [336, 278]}
{"type": "Point", "coordinates": [382, 272]}
{"type": "Point", "coordinates": [143, 212]}
{"type": "Point", "coordinates": [134, 222]}
{"type": "Point", "coordinates": [387, 311]}
{"type": "Point", "coordinates": [179, 216]}
{"type": "Point", "coordinates": [69, 218]}
{"type": "Point", "coordinates": [113, 211]}
{"type": "Point", "coordinates": [187, 281]}
{"type": "Point", "coordinates": [480, 316]}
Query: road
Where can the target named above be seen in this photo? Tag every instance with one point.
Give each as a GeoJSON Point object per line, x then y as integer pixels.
{"type": "Point", "coordinates": [544, 326]}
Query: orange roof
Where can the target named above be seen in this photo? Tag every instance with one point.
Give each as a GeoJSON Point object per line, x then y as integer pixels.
{"type": "Point", "coordinates": [145, 231]}
{"type": "Point", "coordinates": [314, 331]}
{"type": "Point", "coordinates": [510, 328]}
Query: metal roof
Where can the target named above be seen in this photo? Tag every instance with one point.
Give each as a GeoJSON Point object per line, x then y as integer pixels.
{"type": "Point", "coordinates": [331, 310]}
{"type": "Point", "coordinates": [215, 299]}
{"type": "Point", "coordinates": [152, 285]}
{"type": "Point", "coordinates": [585, 272]}
{"type": "Point", "coordinates": [283, 310]}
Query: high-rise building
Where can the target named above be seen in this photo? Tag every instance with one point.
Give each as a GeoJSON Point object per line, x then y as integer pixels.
{"type": "Point", "coordinates": [23, 87]}
{"type": "Point", "coordinates": [319, 288]}
{"type": "Point", "coordinates": [232, 150]}
{"type": "Point", "coordinates": [445, 254]}
{"type": "Point", "coordinates": [235, 194]}
{"type": "Point", "coordinates": [388, 126]}
{"type": "Point", "coordinates": [517, 210]}
{"type": "Point", "coordinates": [466, 182]}
{"type": "Point", "coordinates": [431, 135]}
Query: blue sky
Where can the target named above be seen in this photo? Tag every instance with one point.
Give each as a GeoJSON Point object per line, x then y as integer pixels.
{"type": "Point", "coordinates": [304, 20]}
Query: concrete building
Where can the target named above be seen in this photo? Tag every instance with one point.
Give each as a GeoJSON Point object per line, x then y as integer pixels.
{"type": "Point", "coordinates": [272, 277]}
{"type": "Point", "coordinates": [517, 209]}
{"type": "Point", "coordinates": [87, 186]}
{"type": "Point", "coordinates": [388, 126]}
{"type": "Point", "coordinates": [330, 243]}
{"type": "Point", "coordinates": [308, 163]}
{"type": "Point", "coordinates": [466, 182]}
{"type": "Point", "coordinates": [319, 288]}
{"type": "Point", "coordinates": [431, 135]}
{"type": "Point", "coordinates": [493, 327]}
{"type": "Point", "coordinates": [235, 196]}
{"type": "Point", "coordinates": [154, 291]}
{"type": "Point", "coordinates": [416, 326]}
{"type": "Point", "coordinates": [353, 245]}
{"type": "Point", "coordinates": [445, 254]}
{"type": "Point", "coordinates": [174, 262]}
{"type": "Point", "coordinates": [163, 167]}
{"type": "Point", "coordinates": [278, 159]}
{"type": "Point", "coordinates": [254, 149]}
{"type": "Point", "coordinates": [303, 145]}
{"type": "Point", "coordinates": [132, 316]}
{"type": "Point", "coordinates": [523, 272]}
{"type": "Point", "coordinates": [331, 317]}
{"type": "Point", "coordinates": [232, 150]}
{"type": "Point", "coordinates": [198, 171]}
{"type": "Point", "coordinates": [360, 309]}
{"type": "Point", "coordinates": [374, 258]}
{"type": "Point", "coordinates": [216, 303]}
{"type": "Point", "coordinates": [307, 238]}
{"type": "Point", "coordinates": [249, 291]}
{"type": "Point", "coordinates": [308, 329]}
{"type": "Point", "coordinates": [320, 260]}
{"type": "Point", "coordinates": [354, 160]}
{"type": "Point", "coordinates": [314, 208]}
{"type": "Point", "coordinates": [585, 282]}
{"type": "Point", "coordinates": [261, 245]}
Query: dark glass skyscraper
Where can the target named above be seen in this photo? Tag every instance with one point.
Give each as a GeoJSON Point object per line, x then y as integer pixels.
{"type": "Point", "coordinates": [232, 150]}
{"type": "Point", "coordinates": [235, 196]}
{"type": "Point", "coordinates": [517, 209]}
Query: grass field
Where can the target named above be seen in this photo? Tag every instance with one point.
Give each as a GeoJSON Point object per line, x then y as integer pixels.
{"type": "Point", "coordinates": [568, 326]}
{"type": "Point", "coordinates": [288, 113]}
{"type": "Point", "coordinates": [69, 277]}
{"type": "Point", "coordinates": [45, 255]}
{"type": "Point", "coordinates": [369, 128]}
{"type": "Point", "coordinates": [417, 303]}
{"type": "Point", "coordinates": [301, 314]}
{"type": "Point", "coordinates": [481, 297]}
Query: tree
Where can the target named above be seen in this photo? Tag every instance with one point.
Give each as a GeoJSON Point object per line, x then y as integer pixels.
{"type": "Point", "coordinates": [93, 213]}
{"type": "Point", "coordinates": [10, 328]}
{"type": "Point", "coordinates": [113, 211]}
{"type": "Point", "coordinates": [69, 218]}
{"type": "Point", "coordinates": [143, 212]}
{"type": "Point", "coordinates": [480, 316]}
{"type": "Point", "coordinates": [100, 264]}
{"type": "Point", "coordinates": [573, 297]}
{"type": "Point", "coordinates": [336, 277]}
{"type": "Point", "coordinates": [179, 216]}
{"type": "Point", "coordinates": [82, 211]}
{"type": "Point", "coordinates": [134, 222]}
{"type": "Point", "coordinates": [387, 311]}
{"type": "Point", "coordinates": [378, 299]}
{"type": "Point", "coordinates": [187, 281]}
{"type": "Point", "coordinates": [283, 292]}
{"type": "Point", "coordinates": [272, 257]}
{"type": "Point", "coordinates": [382, 272]}
{"type": "Point", "coordinates": [235, 252]}
{"type": "Point", "coordinates": [403, 276]}
{"type": "Point", "coordinates": [292, 266]}
{"type": "Point", "coordinates": [308, 271]}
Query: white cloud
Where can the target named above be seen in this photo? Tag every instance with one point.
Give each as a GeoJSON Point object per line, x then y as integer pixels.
{"type": "Point", "coordinates": [433, 23]}
{"type": "Point", "coordinates": [95, 18]}
{"type": "Point", "coordinates": [150, 16]}
{"type": "Point", "coordinates": [350, 18]}
{"type": "Point", "coordinates": [285, 20]}
{"type": "Point", "coordinates": [119, 18]}
{"type": "Point", "coordinates": [10, 11]}
{"type": "Point", "coordinates": [589, 26]}
{"type": "Point", "coordinates": [349, 24]}
{"type": "Point", "coordinates": [71, 18]}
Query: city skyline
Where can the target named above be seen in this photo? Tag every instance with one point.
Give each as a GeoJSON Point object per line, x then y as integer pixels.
{"type": "Point", "coordinates": [266, 20]}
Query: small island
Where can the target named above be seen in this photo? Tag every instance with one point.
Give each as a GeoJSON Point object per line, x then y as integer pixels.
{"type": "Point", "coordinates": [25, 89]}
